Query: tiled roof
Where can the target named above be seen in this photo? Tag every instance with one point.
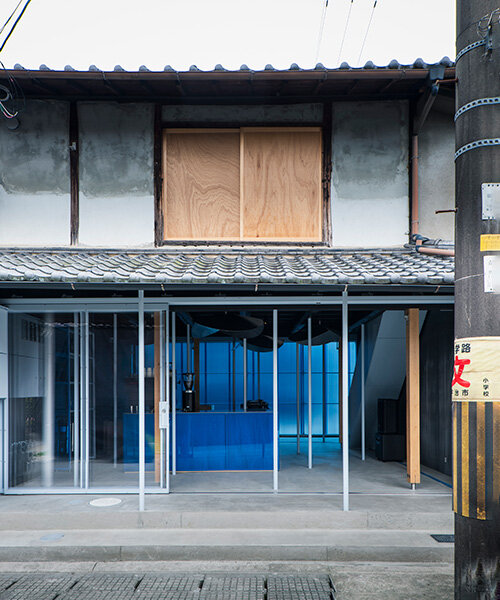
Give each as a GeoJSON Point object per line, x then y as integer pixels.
{"type": "Point", "coordinates": [403, 267]}
{"type": "Point", "coordinates": [418, 63]}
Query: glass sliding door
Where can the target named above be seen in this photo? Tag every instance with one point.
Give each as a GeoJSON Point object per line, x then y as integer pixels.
{"type": "Point", "coordinates": [112, 409]}
{"type": "Point", "coordinates": [42, 390]}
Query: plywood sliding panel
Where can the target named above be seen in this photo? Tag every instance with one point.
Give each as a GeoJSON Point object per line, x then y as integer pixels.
{"type": "Point", "coordinates": [281, 184]}
{"type": "Point", "coordinates": [201, 184]}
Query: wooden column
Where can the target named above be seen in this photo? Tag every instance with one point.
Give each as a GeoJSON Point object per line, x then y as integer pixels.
{"type": "Point", "coordinates": [412, 396]}
{"type": "Point", "coordinates": [157, 395]}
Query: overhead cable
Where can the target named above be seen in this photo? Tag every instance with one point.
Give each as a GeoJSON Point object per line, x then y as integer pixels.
{"type": "Point", "coordinates": [320, 33]}
{"type": "Point", "coordinates": [10, 17]}
{"type": "Point", "coordinates": [12, 100]}
{"type": "Point", "coordinates": [345, 31]}
{"type": "Point", "coordinates": [367, 30]}
{"type": "Point", "coordinates": [14, 25]}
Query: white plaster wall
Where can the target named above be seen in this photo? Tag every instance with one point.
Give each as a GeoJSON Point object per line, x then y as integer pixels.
{"type": "Point", "coordinates": [116, 174]}
{"type": "Point", "coordinates": [34, 177]}
{"type": "Point", "coordinates": [436, 176]}
{"type": "Point", "coordinates": [370, 204]}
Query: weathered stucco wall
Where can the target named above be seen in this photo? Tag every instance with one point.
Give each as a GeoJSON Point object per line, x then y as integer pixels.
{"type": "Point", "coordinates": [370, 205]}
{"type": "Point", "coordinates": [436, 178]}
{"type": "Point", "coordinates": [116, 174]}
{"type": "Point", "coordinates": [34, 177]}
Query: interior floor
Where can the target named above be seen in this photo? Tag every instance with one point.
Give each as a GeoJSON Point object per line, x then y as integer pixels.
{"type": "Point", "coordinates": [365, 477]}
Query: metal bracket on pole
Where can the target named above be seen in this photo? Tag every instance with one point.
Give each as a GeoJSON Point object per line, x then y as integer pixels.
{"type": "Point", "coordinates": [469, 48]}
{"type": "Point", "coordinates": [476, 104]}
{"type": "Point", "coordinates": [477, 144]}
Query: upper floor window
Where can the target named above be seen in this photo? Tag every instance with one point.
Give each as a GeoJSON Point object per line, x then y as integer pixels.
{"type": "Point", "coordinates": [248, 184]}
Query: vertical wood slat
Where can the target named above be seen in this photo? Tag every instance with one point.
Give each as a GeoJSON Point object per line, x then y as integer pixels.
{"type": "Point", "coordinates": [74, 173]}
{"type": "Point", "coordinates": [412, 396]}
{"type": "Point", "coordinates": [157, 325]}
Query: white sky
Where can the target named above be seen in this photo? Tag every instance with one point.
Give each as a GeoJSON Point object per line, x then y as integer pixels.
{"type": "Point", "coordinates": [230, 32]}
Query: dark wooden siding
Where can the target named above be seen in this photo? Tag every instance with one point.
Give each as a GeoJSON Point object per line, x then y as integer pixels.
{"type": "Point", "coordinates": [436, 369]}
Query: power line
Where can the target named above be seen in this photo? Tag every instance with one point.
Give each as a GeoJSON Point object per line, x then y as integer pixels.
{"type": "Point", "coordinates": [345, 30]}
{"type": "Point", "coordinates": [321, 27]}
{"type": "Point", "coordinates": [10, 17]}
{"type": "Point", "coordinates": [367, 30]}
{"type": "Point", "coordinates": [15, 23]}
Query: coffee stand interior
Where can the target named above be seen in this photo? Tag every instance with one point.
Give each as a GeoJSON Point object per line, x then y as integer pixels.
{"type": "Point", "coordinates": [148, 397]}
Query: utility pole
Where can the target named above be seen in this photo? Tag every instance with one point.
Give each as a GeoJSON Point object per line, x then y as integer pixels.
{"type": "Point", "coordinates": [476, 377]}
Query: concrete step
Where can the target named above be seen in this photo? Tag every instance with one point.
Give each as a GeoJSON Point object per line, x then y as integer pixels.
{"type": "Point", "coordinates": [223, 545]}
{"type": "Point", "coordinates": [108, 518]}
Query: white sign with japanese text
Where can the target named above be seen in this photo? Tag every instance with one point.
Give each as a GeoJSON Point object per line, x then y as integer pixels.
{"type": "Point", "coordinates": [476, 369]}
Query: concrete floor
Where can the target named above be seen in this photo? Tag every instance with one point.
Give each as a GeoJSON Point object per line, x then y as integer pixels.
{"type": "Point", "coordinates": [369, 476]}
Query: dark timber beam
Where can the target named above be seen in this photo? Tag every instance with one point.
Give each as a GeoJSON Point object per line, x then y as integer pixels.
{"type": "Point", "coordinates": [158, 175]}
{"type": "Point", "coordinates": [74, 173]}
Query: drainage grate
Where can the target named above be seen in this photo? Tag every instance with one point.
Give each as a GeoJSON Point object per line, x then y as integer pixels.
{"type": "Point", "coordinates": [299, 588]}
{"type": "Point", "coordinates": [233, 587]}
{"type": "Point", "coordinates": [38, 587]}
{"type": "Point", "coordinates": [114, 586]}
{"type": "Point", "coordinates": [443, 538]}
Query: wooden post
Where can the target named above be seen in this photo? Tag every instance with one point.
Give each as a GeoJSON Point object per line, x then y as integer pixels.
{"type": "Point", "coordinates": [157, 324]}
{"type": "Point", "coordinates": [412, 396]}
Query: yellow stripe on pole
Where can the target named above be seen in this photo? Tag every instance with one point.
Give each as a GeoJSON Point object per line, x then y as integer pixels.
{"type": "Point", "coordinates": [481, 460]}
{"type": "Point", "coordinates": [465, 459]}
{"type": "Point", "coordinates": [455, 475]}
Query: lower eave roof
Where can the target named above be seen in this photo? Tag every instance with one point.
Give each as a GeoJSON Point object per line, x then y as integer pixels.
{"type": "Point", "coordinates": [170, 86]}
{"type": "Point", "coordinates": [279, 267]}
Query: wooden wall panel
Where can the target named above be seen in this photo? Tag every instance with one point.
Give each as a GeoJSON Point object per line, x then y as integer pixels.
{"type": "Point", "coordinates": [281, 184]}
{"type": "Point", "coordinates": [202, 186]}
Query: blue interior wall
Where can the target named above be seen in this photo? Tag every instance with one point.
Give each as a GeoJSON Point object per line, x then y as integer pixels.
{"type": "Point", "coordinates": [216, 382]}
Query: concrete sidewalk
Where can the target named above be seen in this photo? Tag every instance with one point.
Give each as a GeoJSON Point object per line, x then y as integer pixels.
{"type": "Point", "coordinates": [223, 544]}
{"type": "Point", "coordinates": [353, 581]}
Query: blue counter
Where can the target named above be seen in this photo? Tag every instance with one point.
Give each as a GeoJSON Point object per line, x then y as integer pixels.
{"type": "Point", "coordinates": [209, 441]}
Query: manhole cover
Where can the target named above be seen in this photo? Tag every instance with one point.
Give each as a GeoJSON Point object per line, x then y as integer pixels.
{"type": "Point", "coordinates": [52, 537]}
{"type": "Point", "coordinates": [105, 502]}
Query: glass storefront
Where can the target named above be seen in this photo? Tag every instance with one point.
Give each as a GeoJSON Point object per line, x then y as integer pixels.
{"type": "Point", "coordinates": [74, 406]}
{"type": "Point", "coordinates": [73, 401]}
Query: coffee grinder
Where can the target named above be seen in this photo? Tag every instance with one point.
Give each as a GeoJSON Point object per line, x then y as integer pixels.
{"type": "Point", "coordinates": [189, 401]}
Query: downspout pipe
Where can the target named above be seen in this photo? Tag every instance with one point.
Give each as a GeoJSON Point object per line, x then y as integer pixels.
{"type": "Point", "coordinates": [414, 225]}
{"type": "Point", "coordinates": [420, 114]}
